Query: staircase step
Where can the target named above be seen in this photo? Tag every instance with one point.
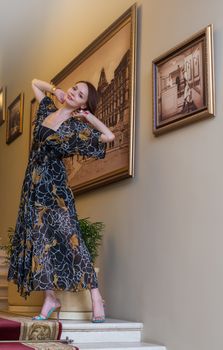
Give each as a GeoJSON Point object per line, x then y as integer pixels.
{"type": "Point", "coordinates": [4, 292]}
{"type": "Point", "coordinates": [110, 335]}
{"type": "Point", "coordinates": [3, 274]}
{"type": "Point", "coordinates": [110, 331]}
{"type": "Point", "coordinates": [3, 305]}
{"type": "Point", "coordinates": [119, 346]}
{"type": "Point", "coordinates": [3, 267]}
{"type": "Point", "coordinates": [3, 302]}
{"type": "Point", "coordinates": [3, 257]}
{"type": "Point", "coordinates": [3, 284]}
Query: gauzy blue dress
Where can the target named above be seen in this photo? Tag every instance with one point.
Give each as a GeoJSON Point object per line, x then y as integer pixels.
{"type": "Point", "coordinates": [48, 252]}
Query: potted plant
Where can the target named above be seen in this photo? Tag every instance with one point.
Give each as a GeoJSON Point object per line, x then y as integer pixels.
{"type": "Point", "coordinates": [92, 235]}
{"type": "Point", "coordinates": [75, 305]}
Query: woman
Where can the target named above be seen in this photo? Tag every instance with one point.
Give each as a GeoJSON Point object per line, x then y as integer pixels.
{"type": "Point", "coordinates": [48, 251]}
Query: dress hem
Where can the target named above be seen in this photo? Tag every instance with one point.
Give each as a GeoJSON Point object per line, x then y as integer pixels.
{"type": "Point", "coordinates": [24, 292]}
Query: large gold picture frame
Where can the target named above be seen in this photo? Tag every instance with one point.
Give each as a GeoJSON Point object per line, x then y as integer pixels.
{"type": "Point", "coordinates": [109, 63]}
{"type": "Point", "coordinates": [183, 83]}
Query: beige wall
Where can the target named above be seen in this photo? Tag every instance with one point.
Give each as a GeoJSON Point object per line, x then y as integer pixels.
{"type": "Point", "coordinates": [162, 260]}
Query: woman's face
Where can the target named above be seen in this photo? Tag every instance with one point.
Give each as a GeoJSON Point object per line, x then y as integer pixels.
{"type": "Point", "coordinates": [77, 96]}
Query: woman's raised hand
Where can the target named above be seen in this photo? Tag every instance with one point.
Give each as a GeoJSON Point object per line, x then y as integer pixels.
{"type": "Point", "coordinates": [60, 95]}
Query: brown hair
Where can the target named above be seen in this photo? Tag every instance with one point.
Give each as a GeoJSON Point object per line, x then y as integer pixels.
{"type": "Point", "coordinates": [92, 100]}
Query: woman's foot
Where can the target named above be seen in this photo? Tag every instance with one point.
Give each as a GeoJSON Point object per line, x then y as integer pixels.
{"type": "Point", "coordinates": [50, 305]}
{"type": "Point", "coordinates": [98, 304]}
{"type": "Point", "coordinates": [98, 311]}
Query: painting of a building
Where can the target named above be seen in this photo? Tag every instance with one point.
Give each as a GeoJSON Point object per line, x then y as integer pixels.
{"type": "Point", "coordinates": [113, 106]}
{"type": "Point", "coordinates": [114, 111]}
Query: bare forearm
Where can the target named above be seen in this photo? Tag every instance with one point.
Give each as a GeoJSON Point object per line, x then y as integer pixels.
{"type": "Point", "coordinates": [107, 135]}
{"type": "Point", "coordinates": [40, 87]}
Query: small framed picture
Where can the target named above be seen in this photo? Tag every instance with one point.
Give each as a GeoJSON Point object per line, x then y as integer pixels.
{"type": "Point", "coordinates": [183, 83]}
{"type": "Point", "coordinates": [15, 119]}
{"type": "Point", "coordinates": [2, 105]}
{"type": "Point", "coordinates": [33, 108]}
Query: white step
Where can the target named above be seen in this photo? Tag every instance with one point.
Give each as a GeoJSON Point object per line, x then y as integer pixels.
{"type": "Point", "coordinates": [110, 331]}
{"type": "Point", "coordinates": [120, 346]}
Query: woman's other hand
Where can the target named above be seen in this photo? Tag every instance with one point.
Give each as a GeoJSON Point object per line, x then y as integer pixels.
{"type": "Point", "coordinates": [107, 135]}
{"type": "Point", "coordinates": [82, 113]}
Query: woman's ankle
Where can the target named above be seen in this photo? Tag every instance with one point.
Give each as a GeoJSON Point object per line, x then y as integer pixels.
{"type": "Point", "coordinates": [52, 300]}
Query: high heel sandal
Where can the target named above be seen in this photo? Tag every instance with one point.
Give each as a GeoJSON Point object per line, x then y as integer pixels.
{"type": "Point", "coordinates": [40, 317]}
{"type": "Point", "coordinates": [99, 319]}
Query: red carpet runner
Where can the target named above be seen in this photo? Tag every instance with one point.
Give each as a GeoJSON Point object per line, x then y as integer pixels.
{"type": "Point", "coordinates": [36, 346]}
{"type": "Point", "coordinates": [31, 334]}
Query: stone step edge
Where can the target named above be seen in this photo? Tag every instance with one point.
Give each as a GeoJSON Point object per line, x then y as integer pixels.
{"type": "Point", "coordinates": [3, 273]}
{"type": "Point", "coordinates": [64, 315]}
{"type": "Point", "coordinates": [4, 284]}
{"type": "Point", "coordinates": [82, 325]}
{"type": "Point", "coordinates": [119, 346]}
{"type": "Point", "coordinates": [109, 324]}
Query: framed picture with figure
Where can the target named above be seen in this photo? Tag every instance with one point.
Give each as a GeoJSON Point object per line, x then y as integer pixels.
{"type": "Point", "coordinates": [183, 83]}
{"type": "Point", "coordinates": [109, 64]}
{"type": "Point", "coordinates": [14, 125]}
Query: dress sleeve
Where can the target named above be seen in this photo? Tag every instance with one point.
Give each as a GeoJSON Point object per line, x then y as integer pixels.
{"type": "Point", "coordinates": [45, 105]}
{"type": "Point", "coordinates": [83, 140]}
{"type": "Point", "coordinates": [88, 142]}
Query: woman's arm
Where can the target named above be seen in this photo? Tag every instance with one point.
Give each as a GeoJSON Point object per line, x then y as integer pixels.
{"type": "Point", "coordinates": [40, 87]}
{"type": "Point", "coordinates": [107, 135]}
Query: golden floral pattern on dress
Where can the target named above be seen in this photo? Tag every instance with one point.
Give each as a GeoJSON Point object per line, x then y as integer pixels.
{"type": "Point", "coordinates": [35, 176]}
{"type": "Point", "coordinates": [48, 251]}
{"type": "Point", "coordinates": [74, 241]}
{"type": "Point", "coordinates": [85, 134]}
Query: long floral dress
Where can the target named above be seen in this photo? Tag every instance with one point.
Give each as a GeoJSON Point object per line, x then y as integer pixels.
{"type": "Point", "coordinates": [48, 250]}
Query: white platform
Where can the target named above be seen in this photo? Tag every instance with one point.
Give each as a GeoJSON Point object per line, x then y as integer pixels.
{"type": "Point", "coordinates": [109, 331]}
{"type": "Point", "coordinates": [112, 334]}
{"type": "Point", "coordinates": [120, 346]}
